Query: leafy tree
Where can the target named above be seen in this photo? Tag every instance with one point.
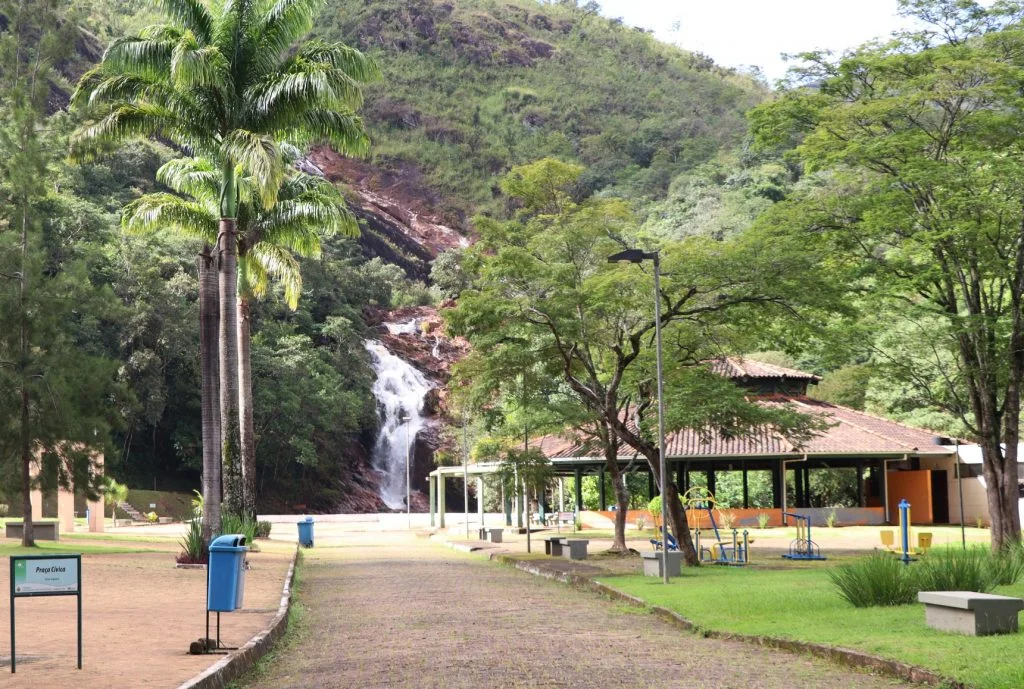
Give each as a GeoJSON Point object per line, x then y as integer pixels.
{"type": "Point", "coordinates": [545, 277]}
{"type": "Point", "coordinates": [227, 82]}
{"type": "Point", "coordinates": [918, 188]}
{"type": "Point", "coordinates": [55, 393]}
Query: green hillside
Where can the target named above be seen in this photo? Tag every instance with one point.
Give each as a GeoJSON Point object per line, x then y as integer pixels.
{"type": "Point", "coordinates": [474, 87]}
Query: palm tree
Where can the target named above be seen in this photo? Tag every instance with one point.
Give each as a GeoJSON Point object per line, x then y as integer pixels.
{"type": "Point", "coordinates": [306, 208]}
{"type": "Point", "coordinates": [226, 81]}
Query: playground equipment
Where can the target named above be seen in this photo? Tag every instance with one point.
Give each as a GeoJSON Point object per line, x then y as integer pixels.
{"type": "Point", "coordinates": [904, 550]}
{"type": "Point", "coordinates": [720, 552]}
{"type": "Point", "coordinates": [802, 547]}
{"type": "Point", "coordinates": [672, 544]}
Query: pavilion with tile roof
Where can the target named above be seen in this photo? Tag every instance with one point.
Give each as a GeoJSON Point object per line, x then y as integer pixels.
{"type": "Point", "coordinates": [892, 460]}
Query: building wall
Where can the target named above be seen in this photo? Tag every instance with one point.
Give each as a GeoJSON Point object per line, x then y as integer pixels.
{"type": "Point", "coordinates": [975, 502]}
{"type": "Point", "coordinates": [916, 488]}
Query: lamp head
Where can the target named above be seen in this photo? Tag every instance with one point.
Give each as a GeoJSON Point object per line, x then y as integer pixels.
{"type": "Point", "coordinates": [631, 256]}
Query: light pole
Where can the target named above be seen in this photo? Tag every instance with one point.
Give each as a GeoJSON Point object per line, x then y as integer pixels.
{"type": "Point", "coordinates": [405, 418]}
{"type": "Point", "coordinates": [638, 256]}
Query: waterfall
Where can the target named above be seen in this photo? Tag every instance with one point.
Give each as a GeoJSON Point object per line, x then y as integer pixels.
{"type": "Point", "coordinates": [399, 390]}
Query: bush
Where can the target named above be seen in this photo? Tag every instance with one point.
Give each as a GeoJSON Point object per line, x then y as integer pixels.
{"type": "Point", "coordinates": [954, 569]}
{"type": "Point", "coordinates": [193, 548]}
{"type": "Point", "coordinates": [4, 509]}
{"type": "Point", "coordinates": [763, 519]}
{"type": "Point", "coordinates": [232, 523]}
{"type": "Point", "coordinates": [830, 520]}
{"type": "Point", "coordinates": [879, 579]}
{"type": "Point", "coordinates": [263, 529]}
{"type": "Point", "coordinates": [152, 518]}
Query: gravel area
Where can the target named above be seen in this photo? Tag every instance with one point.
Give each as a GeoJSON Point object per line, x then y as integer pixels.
{"type": "Point", "coordinates": [393, 611]}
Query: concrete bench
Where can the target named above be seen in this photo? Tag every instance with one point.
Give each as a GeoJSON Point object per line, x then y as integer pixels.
{"type": "Point", "coordinates": [495, 534]}
{"type": "Point", "coordinates": [967, 612]}
{"type": "Point", "coordinates": [553, 546]}
{"type": "Point", "coordinates": [652, 563]}
{"type": "Point", "coordinates": [574, 548]}
{"type": "Point", "coordinates": [41, 531]}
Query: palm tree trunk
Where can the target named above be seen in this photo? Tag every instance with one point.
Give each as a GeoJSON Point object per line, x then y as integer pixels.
{"type": "Point", "coordinates": [227, 274]}
{"type": "Point", "coordinates": [248, 431]}
{"type": "Point", "coordinates": [209, 315]}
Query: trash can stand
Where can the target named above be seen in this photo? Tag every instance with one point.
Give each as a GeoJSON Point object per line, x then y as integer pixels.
{"type": "Point", "coordinates": [225, 582]}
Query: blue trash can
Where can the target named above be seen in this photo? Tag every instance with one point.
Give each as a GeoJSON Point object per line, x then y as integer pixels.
{"type": "Point", "coordinates": [306, 532]}
{"type": "Point", "coordinates": [226, 569]}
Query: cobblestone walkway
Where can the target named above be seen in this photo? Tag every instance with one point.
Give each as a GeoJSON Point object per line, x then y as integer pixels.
{"type": "Point", "coordinates": [405, 613]}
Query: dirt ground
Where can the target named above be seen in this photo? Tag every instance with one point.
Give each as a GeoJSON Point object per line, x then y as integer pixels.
{"type": "Point", "coordinates": [140, 613]}
{"type": "Point", "coordinates": [390, 610]}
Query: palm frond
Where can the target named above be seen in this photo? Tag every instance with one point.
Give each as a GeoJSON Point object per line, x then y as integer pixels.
{"type": "Point", "coordinates": [145, 57]}
{"type": "Point", "coordinates": [278, 262]}
{"type": "Point", "coordinates": [304, 85]}
{"type": "Point", "coordinates": [285, 22]}
{"type": "Point", "coordinates": [195, 66]}
{"type": "Point", "coordinates": [196, 177]}
{"type": "Point", "coordinates": [192, 15]}
{"type": "Point", "coordinates": [127, 122]}
{"type": "Point", "coordinates": [352, 62]}
{"type": "Point", "coordinates": [161, 212]}
{"type": "Point", "coordinates": [343, 131]}
{"type": "Point", "coordinates": [259, 157]}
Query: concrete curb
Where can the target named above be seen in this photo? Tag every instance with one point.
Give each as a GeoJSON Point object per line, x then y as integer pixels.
{"type": "Point", "coordinates": [842, 656]}
{"type": "Point", "coordinates": [236, 663]}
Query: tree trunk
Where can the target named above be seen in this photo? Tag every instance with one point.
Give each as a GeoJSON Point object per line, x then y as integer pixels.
{"type": "Point", "coordinates": [25, 434]}
{"type": "Point", "coordinates": [611, 461]}
{"type": "Point", "coordinates": [999, 467]}
{"type": "Point", "coordinates": [209, 316]}
{"type": "Point", "coordinates": [247, 428]}
{"type": "Point", "coordinates": [227, 274]}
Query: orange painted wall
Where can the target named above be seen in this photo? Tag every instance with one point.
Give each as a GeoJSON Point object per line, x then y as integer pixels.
{"type": "Point", "coordinates": [747, 518]}
{"type": "Point", "coordinates": [916, 488]}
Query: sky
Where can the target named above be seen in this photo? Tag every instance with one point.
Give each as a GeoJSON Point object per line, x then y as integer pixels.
{"type": "Point", "coordinates": [736, 33]}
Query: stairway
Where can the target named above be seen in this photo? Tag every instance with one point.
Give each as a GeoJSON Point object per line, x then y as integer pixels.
{"type": "Point", "coordinates": [135, 515]}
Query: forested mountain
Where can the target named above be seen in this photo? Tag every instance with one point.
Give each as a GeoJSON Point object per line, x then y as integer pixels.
{"type": "Point", "coordinates": [469, 90]}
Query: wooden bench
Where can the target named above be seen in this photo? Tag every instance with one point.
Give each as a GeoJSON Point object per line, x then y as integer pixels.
{"type": "Point", "coordinates": [41, 531]}
{"type": "Point", "coordinates": [967, 612]}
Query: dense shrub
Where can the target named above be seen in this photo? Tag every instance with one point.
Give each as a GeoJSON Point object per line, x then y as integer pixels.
{"type": "Point", "coordinates": [882, 579]}
{"type": "Point", "coordinates": [193, 547]}
{"type": "Point", "coordinates": [879, 579]}
{"type": "Point", "coordinates": [262, 529]}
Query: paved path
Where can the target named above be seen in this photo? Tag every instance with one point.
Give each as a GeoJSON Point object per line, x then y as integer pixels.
{"type": "Point", "coordinates": [404, 613]}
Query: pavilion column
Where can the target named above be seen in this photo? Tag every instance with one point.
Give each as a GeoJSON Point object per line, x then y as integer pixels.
{"type": "Point", "coordinates": [778, 482]}
{"type": "Point", "coordinates": [431, 483]}
{"type": "Point", "coordinates": [480, 498]}
{"type": "Point", "coordinates": [651, 488]}
{"type": "Point", "coordinates": [807, 486]}
{"type": "Point", "coordinates": [506, 504]}
{"type": "Point", "coordinates": [440, 500]}
{"type": "Point", "coordinates": [798, 482]}
{"type": "Point", "coordinates": [680, 480]}
{"type": "Point", "coordinates": [860, 484]}
{"type": "Point", "coordinates": [561, 494]}
{"type": "Point", "coordinates": [711, 478]}
{"type": "Point", "coordinates": [746, 487]}
{"type": "Point", "coordinates": [600, 491]}
{"type": "Point", "coordinates": [579, 490]}
{"type": "Point", "coordinates": [95, 507]}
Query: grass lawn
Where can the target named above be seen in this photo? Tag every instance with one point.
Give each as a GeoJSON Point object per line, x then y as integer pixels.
{"type": "Point", "coordinates": [800, 603]}
{"type": "Point", "coordinates": [65, 548]}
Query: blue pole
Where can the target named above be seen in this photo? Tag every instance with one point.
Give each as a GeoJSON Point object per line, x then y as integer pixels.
{"type": "Point", "coordinates": [905, 529]}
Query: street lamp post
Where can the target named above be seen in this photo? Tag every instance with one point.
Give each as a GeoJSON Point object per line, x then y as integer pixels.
{"type": "Point", "coordinates": [638, 256]}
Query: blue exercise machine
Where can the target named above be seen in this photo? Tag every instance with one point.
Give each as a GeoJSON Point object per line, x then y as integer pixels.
{"type": "Point", "coordinates": [802, 547]}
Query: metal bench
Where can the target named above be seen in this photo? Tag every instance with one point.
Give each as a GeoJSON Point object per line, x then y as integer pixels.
{"type": "Point", "coordinates": [967, 612]}
{"type": "Point", "coordinates": [41, 531]}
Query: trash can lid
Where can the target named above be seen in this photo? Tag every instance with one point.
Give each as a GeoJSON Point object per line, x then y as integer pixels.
{"type": "Point", "coordinates": [235, 541]}
{"type": "Point", "coordinates": [308, 519]}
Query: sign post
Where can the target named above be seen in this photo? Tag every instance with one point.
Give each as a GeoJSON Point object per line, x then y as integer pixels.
{"type": "Point", "coordinates": [34, 576]}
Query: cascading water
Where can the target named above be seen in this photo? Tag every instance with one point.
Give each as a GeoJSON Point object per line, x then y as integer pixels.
{"type": "Point", "coordinates": [400, 390]}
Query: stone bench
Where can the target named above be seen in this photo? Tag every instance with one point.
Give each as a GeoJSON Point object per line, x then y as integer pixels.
{"type": "Point", "coordinates": [553, 546]}
{"type": "Point", "coordinates": [41, 531]}
{"type": "Point", "coordinates": [495, 534]}
{"type": "Point", "coordinates": [652, 563]}
{"type": "Point", "coordinates": [967, 612]}
{"type": "Point", "coordinates": [574, 548]}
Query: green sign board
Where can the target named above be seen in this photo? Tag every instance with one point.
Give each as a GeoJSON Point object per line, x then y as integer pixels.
{"type": "Point", "coordinates": [53, 576]}
{"type": "Point", "coordinates": [45, 575]}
